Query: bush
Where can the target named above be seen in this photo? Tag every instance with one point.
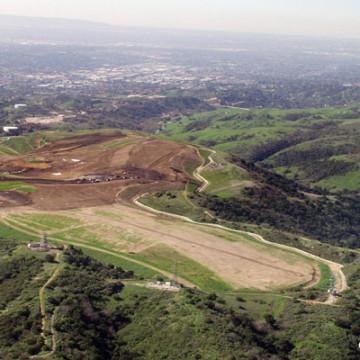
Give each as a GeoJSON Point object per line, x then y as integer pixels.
{"type": "Point", "coordinates": [50, 258]}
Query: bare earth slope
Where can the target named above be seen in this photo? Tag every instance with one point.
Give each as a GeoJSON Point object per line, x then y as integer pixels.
{"type": "Point", "coordinates": [87, 172]}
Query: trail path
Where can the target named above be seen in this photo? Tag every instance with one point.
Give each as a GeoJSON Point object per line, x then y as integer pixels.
{"type": "Point", "coordinates": [198, 171]}
{"type": "Point", "coordinates": [340, 279]}
{"type": "Point", "coordinates": [193, 205]}
{"type": "Point", "coordinates": [42, 300]}
{"type": "Point", "coordinates": [69, 242]}
{"type": "Point", "coordinates": [42, 311]}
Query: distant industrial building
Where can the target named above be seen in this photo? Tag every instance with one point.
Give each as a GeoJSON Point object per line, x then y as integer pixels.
{"type": "Point", "coordinates": [18, 106]}
{"type": "Point", "coordinates": [9, 129]}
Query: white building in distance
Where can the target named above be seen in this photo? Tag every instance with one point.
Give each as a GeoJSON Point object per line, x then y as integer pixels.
{"type": "Point", "coordinates": [8, 129]}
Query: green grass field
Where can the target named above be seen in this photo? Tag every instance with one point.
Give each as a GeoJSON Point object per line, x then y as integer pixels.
{"type": "Point", "coordinates": [16, 185]}
{"type": "Point", "coordinates": [67, 105]}
{"type": "Point", "coordinates": [164, 258]}
{"type": "Point", "coordinates": [174, 202]}
{"type": "Point", "coordinates": [6, 151]}
{"type": "Point", "coordinates": [140, 271]}
{"type": "Point", "coordinates": [47, 221]}
{"type": "Point", "coordinates": [226, 181]}
{"type": "Point", "coordinates": [9, 233]}
{"type": "Point", "coordinates": [24, 144]}
{"type": "Point", "coordinates": [326, 277]}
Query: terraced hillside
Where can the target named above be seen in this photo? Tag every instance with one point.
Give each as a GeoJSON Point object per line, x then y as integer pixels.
{"type": "Point", "coordinates": [98, 173]}
{"type": "Point", "coordinates": [90, 169]}
{"type": "Point", "coordinates": [82, 191]}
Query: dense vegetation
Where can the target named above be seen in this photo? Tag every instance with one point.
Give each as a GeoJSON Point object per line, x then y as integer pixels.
{"type": "Point", "coordinates": [97, 317]}
{"type": "Point", "coordinates": [20, 320]}
{"type": "Point", "coordinates": [136, 113]}
{"type": "Point", "coordinates": [280, 203]}
{"type": "Point", "coordinates": [84, 323]}
{"type": "Point", "coordinates": [287, 94]}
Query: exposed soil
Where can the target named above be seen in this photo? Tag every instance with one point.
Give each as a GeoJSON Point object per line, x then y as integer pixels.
{"type": "Point", "coordinates": [14, 198]}
{"type": "Point", "coordinates": [89, 170]}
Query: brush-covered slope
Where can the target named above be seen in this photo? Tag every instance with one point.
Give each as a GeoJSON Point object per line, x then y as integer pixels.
{"type": "Point", "coordinates": [262, 197]}
{"type": "Point", "coordinates": [317, 147]}
{"type": "Point", "coordinates": [97, 314]}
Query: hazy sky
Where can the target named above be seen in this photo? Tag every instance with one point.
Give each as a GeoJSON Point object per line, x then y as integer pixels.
{"type": "Point", "coordinates": [311, 17]}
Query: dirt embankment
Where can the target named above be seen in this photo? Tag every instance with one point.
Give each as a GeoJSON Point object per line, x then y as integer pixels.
{"type": "Point", "coordinates": [89, 170]}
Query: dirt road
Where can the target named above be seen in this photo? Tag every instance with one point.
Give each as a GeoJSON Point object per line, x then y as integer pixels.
{"type": "Point", "coordinates": [198, 171]}
{"type": "Point", "coordinates": [42, 311]}
{"type": "Point", "coordinates": [340, 279]}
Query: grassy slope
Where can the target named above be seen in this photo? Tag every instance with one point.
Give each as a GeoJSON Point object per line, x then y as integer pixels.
{"type": "Point", "coordinates": [243, 132]}
{"type": "Point", "coordinates": [174, 202]}
{"type": "Point", "coordinates": [162, 323]}
{"type": "Point", "coordinates": [164, 258]}
{"type": "Point", "coordinates": [160, 257]}
{"type": "Point", "coordinates": [226, 180]}
{"type": "Point", "coordinates": [16, 185]}
{"type": "Point", "coordinates": [26, 143]}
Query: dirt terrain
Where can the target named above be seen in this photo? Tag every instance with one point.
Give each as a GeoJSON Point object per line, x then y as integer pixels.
{"type": "Point", "coordinates": [89, 170]}
{"type": "Point", "coordinates": [14, 198]}
{"type": "Point", "coordinates": [237, 261]}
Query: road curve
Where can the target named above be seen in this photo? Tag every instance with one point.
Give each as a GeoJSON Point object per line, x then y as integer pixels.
{"type": "Point", "coordinates": [340, 284]}
{"type": "Point", "coordinates": [198, 171]}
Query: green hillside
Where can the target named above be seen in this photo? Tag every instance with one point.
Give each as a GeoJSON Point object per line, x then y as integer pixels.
{"type": "Point", "coordinates": [315, 146]}
{"type": "Point", "coordinates": [100, 311]}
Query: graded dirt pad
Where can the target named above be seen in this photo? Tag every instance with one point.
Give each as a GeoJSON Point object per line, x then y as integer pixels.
{"type": "Point", "coordinates": [89, 170]}
{"type": "Point", "coordinates": [80, 173]}
{"type": "Point", "coordinates": [162, 156]}
{"type": "Point", "coordinates": [14, 198]}
{"type": "Point", "coordinates": [236, 260]}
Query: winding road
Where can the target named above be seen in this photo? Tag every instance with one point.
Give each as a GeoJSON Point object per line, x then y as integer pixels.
{"type": "Point", "coordinates": [42, 311]}
{"type": "Point", "coordinates": [340, 279]}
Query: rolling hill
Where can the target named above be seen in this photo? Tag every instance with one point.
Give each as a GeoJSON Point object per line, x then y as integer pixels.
{"type": "Point", "coordinates": [318, 148]}
{"type": "Point", "coordinates": [241, 296]}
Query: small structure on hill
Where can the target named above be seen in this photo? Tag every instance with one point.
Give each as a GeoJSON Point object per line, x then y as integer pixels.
{"type": "Point", "coordinates": [18, 106]}
{"type": "Point", "coordinates": [165, 286]}
{"type": "Point", "coordinates": [42, 245]}
{"type": "Point", "coordinates": [172, 285]}
{"type": "Point", "coordinates": [10, 129]}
